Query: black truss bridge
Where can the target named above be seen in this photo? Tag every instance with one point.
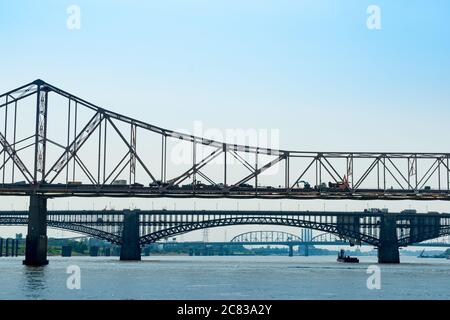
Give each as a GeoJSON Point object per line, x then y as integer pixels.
{"type": "Point", "coordinates": [56, 144]}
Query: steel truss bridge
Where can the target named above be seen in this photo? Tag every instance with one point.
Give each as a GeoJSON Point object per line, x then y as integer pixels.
{"type": "Point", "coordinates": [354, 228]}
{"type": "Point", "coordinates": [280, 238]}
{"type": "Point", "coordinates": [56, 144]}
{"type": "Point", "coordinates": [285, 238]}
{"type": "Point", "coordinates": [322, 239]}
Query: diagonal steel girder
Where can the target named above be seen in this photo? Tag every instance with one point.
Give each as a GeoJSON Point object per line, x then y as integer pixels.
{"type": "Point", "coordinates": [196, 167]}
{"type": "Point", "coordinates": [75, 146]}
{"type": "Point", "coordinates": [16, 159]}
{"type": "Point", "coordinates": [260, 170]}
{"type": "Point", "coordinates": [132, 150]}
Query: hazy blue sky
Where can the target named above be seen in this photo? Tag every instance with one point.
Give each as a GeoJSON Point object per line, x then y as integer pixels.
{"type": "Point", "coordinates": [311, 69]}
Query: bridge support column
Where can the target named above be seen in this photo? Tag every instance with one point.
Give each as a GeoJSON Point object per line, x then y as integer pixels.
{"type": "Point", "coordinates": [13, 248]}
{"type": "Point", "coordinates": [36, 243]}
{"type": "Point", "coordinates": [388, 249]}
{"type": "Point", "coordinates": [1, 247]}
{"type": "Point", "coordinates": [291, 251]}
{"type": "Point", "coordinates": [93, 251]}
{"type": "Point", "coordinates": [303, 250]}
{"type": "Point", "coordinates": [66, 251]}
{"type": "Point", "coordinates": [7, 247]}
{"type": "Point", "coordinates": [131, 249]}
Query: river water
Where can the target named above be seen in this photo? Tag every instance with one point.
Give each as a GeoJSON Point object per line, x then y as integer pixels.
{"type": "Point", "coordinates": [235, 277]}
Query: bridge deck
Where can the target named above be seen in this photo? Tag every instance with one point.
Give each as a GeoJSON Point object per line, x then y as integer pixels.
{"type": "Point", "coordinates": [86, 190]}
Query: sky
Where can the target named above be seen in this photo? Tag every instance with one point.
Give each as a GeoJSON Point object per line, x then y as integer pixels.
{"type": "Point", "coordinates": [312, 70]}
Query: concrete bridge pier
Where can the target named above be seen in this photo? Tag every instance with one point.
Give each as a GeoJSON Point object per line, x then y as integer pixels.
{"type": "Point", "coordinates": [36, 243]}
{"type": "Point", "coordinates": [13, 247]}
{"type": "Point", "coordinates": [1, 247]}
{"type": "Point", "coordinates": [291, 251]}
{"type": "Point", "coordinates": [93, 251]}
{"type": "Point", "coordinates": [66, 251]}
{"type": "Point", "coordinates": [306, 250]}
{"type": "Point", "coordinates": [7, 247]}
{"type": "Point", "coordinates": [388, 249]}
{"type": "Point", "coordinates": [131, 249]}
{"type": "Point", "coordinates": [303, 250]}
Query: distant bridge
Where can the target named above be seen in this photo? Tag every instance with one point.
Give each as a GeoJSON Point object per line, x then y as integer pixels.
{"type": "Point", "coordinates": [256, 238]}
{"type": "Point", "coordinates": [134, 229]}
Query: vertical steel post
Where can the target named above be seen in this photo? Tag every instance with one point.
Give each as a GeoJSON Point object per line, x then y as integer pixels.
{"type": "Point", "coordinates": [415, 165]}
{"type": "Point", "coordinates": [439, 173]}
{"type": "Point", "coordinates": [14, 139]}
{"type": "Point", "coordinates": [194, 166]}
{"type": "Point", "coordinates": [41, 134]}
{"type": "Point", "coordinates": [448, 175]}
{"type": "Point", "coordinates": [163, 157]}
{"type": "Point", "coordinates": [287, 169]}
{"type": "Point", "coordinates": [256, 170]}
{"type": "Point", "coordinates": [378, 174]}
{"type": "Point", "coordinates": [133, 154]}
{"type": "Point", "coordinates": [6, 137]}
{"type": "Point", "coordinates": [76, 142]}
{"type": "Point", "coordinates": [225, 165]}
{"type": "Point", "coordinates": [68, 139]}
{"type": "Point", "coordinates": [104, 151]}
{"type": "Point", "coordinates": [99, 153]}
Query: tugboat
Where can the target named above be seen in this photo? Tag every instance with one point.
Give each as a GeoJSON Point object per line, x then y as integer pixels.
{"type": "Point", "coordinates": [347, 259]}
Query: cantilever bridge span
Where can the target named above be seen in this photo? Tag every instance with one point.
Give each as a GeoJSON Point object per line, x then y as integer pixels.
{"type": "Point", "coordinates": [56, 144]}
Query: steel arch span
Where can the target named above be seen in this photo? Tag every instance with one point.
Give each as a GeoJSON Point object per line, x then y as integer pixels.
{"type": "Point", "coordinates": [266, 236]}
{"type": "Point", "coordinates": [68, 226]}
{"type": "Point", "coordinates": [430, 235]}
{"type": "Point", "coordinates": [71, 147]}
{"type": "Point", "coordinates": [282, 237]}
{"type": "Point", "coordinates": [325, 237]}
{"type": "Point", "coordinates": [340, 231]}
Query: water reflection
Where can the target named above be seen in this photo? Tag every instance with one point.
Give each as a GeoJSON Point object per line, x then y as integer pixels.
{"type": "Point", "coordinates": [35, 281]}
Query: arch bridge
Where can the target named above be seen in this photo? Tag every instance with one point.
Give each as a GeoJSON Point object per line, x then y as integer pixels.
{"type": "Point", "coordinates": [281, 237]}
{"type": "Point", "coordinates": [134, 229]}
